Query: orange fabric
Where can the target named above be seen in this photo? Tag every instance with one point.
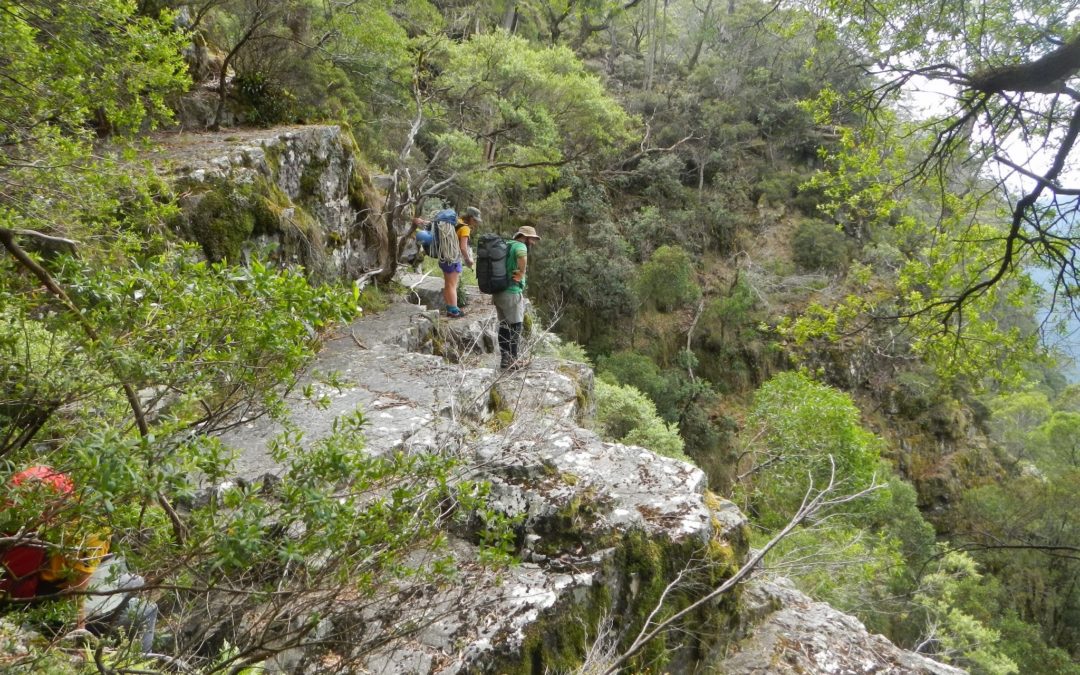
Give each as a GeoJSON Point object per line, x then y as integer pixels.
{"type": "Point", "coordinates": [77, 562]}
{"type": "Point", "coordinates": [48, 475]}
{"type": "Point", "coordinates": [76, 556]}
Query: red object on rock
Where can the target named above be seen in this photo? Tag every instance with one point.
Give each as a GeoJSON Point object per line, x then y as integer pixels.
{"type": "Point", "coordinates": [20, 564]}
{"type": "Point", "coordinates": [47, 475]}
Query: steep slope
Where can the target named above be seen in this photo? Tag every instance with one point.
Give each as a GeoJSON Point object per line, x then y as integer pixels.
{"type": "Point", "coordinates": [604, 530]}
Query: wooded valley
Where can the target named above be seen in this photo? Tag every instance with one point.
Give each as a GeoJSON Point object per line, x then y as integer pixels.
{"type": "Point", "coordinates": [798, 244]}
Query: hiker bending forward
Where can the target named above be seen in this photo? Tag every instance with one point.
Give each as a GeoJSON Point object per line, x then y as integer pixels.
{"type": "Point", "coordinates": [452, 258]}
{"type": "Point", "coordinates": [510, 304]}
{"type": "Point", "coordinates": [30, 570]}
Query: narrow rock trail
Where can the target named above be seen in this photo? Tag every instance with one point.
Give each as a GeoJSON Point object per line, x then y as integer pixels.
{"type": "Point", "coordinates": [578, 495]}
{"type": "Point", "coordinates": [604, 527]}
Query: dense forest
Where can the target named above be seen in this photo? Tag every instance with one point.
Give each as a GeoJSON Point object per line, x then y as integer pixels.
{"type": "Point", "coordinates": [798, 242]}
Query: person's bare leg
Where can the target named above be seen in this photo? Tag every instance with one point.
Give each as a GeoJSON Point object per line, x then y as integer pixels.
{"type": "Point", "coordinates": [449, 291]}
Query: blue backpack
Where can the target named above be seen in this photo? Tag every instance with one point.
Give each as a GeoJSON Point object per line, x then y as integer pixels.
{"type": "Point", "coordinates": [443, 229]}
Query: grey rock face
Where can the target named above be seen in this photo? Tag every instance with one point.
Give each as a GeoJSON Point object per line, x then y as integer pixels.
{"type": "Point", "coordinates": [599, 521]}
{"type": "Point", "coordinates": [794, 634]}
{"type": "Point", "coordinates": [302, 174]}
{"type": "Point", "coordinates": [581, 501]}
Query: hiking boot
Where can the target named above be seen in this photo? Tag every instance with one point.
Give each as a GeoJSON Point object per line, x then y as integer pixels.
{"type": "Point", "coordinates": [455, 315]}
{"type": "Point", "coordinates": [519, 364]}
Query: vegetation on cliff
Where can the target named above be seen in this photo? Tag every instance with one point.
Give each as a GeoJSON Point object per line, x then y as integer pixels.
{"type": "Point", "coordinates": [776, 269]}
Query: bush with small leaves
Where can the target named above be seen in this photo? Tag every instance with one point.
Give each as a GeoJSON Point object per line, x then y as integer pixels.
{"type": "Point", "coordinates": [666, 281]}
{"type": "Point", "coordinates": [821, 246]}
{"type": "Point", "coordinates": [626, 415]}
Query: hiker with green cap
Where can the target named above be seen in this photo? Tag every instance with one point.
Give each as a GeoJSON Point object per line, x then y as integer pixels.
{"type": "Point", "coordinates": [510, 303]}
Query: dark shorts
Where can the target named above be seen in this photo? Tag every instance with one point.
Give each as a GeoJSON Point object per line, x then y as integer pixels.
{"type": "Point", "coordinates": [450, 267]}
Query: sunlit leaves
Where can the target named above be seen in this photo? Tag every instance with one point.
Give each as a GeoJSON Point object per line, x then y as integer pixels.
{"type": "Point", "coordinates": [798, 431]}
{"type": "Point", "coordinates": [528, 108]}
{"type": "Point", "coordinates": [625, 414]}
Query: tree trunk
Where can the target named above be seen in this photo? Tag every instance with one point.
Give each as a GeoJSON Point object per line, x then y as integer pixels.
{"type": "Point", "coordinates": [509, 20]}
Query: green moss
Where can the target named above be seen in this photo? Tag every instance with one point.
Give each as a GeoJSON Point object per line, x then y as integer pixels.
{"type": "Point", "coordinates": [221, 223]}
{"type": "Point", "coordinates": [272, 152]}
{"type": "Point", "coordinates": [575, 522]}
{"type": "Point", "coordinates": [640, 570]}
{"type": "Point", "coordinates": [722, 559]}
{"type": "Point", "coordinates": [581, 395]}
{"type": "Point", "coordinates": [558, 644]}
{"type": "Point", "coordinates": [501, 420]}
{"type": "Point", "coordinates": [362, 195]}
{"type": "Point", "coordinates": [358, 190]}
{"type": "Point", "coordinates": [373, 300]}
{"type": "Point", "coordinates": [311, 178]}
{"type": "Point", "coordinates": [495, 401]}
{"type": "Point", "coordinates": [646, 565]}
{"type": "Point", "coordinates": [269, 203]}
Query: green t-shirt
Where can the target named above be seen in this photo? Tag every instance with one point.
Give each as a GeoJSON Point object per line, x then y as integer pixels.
{"type": "Point", "coordinates": [516, 250]}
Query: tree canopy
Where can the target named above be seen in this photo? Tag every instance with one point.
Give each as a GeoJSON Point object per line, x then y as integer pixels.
{"type": "Point", "coordinates": [1006, 74]}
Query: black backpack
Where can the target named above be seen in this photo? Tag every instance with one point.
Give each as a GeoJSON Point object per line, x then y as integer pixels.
{"type": "Point", "coordinates": [491, 269]}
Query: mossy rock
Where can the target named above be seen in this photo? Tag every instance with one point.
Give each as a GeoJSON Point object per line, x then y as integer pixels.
{"type": "Point", "coordinates": [633, 582]}
{"type": "Point", "coordinates": [311, 178]}
{"type": "Point", "coordinates": [221, 216]}
{"type": "Point", "coordinates": [221, 222]}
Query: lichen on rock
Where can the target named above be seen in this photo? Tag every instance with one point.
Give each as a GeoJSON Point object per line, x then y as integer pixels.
{"type": "Point", "coordinates": [288, 193]}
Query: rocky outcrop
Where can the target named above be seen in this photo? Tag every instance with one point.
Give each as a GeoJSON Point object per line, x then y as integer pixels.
{"type": "Point", "coordinates": [294, 194]}
{"type": "Point", "coordinates": [790, 633]}
{"type": "Point", "coordinates": [604, 528]}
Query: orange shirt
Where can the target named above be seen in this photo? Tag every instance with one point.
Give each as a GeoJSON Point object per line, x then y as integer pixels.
{"type": "Point", "coordinates": [77, 561]}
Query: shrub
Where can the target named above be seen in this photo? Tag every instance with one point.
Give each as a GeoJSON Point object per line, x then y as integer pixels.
{"type": "Point", "coordinates": [778, 189]}
{"type": "Point", "coordinates": [266, 102]}
{"type": "Point", "coordinates": [800, 429]}
{"type": "Point", "coordinates": [818, 245]}
{"type": "Point", "coordinates": [667, 282]}
{"type": "Point", "coordinates": [624, 414]}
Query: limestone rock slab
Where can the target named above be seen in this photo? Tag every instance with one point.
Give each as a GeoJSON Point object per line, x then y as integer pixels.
{"type": "Point", "coordinates": [798, 635]}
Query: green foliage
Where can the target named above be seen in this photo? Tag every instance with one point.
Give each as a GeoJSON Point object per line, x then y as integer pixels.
{"type": "Point", "coordinates": [944, 250]}
{"type": "Point", "coordinates": [800, 430]}
{"type": "Point", "coordinates": [733, 317]}
{"type": "Point", "coordinates": [1015, 417]}
{"type": "Point", "coordinates": [207, 340]}
{"type": "Point", "coordinates": [337, 518]}
{"type": "Point", "coordinates": [529, 109]}
{"type": "Point", "coordinates": [679, 401]}
{"type": "Point", "coordinates": [117, 79]}
{"type": "Point", "coordinates": [865, 560]}
{"type": "Point", "coordinates": [666, 281]}
{"type": "Point", "coordinates": [1016, 530]}
{"type": "Point", "coordinates": [959, 637]}
{"type": "Point", "coordinates": [124, 66]}
{"type": "Point", "coordinates": [588, 281]}
{"type": "Point", "coordinates": [626, 415]}
{"type": "Point", "coordinates": [371, 299]}
{"type": "Point", "coordinates": [820, 246]}
{"type": "Point", "coordinates": [569, 350]}
{"type": "Point", "coordinates": [304, 59]}
{"type": "Point", "coordinates": [268, 104]}
{"type": "Point", "coordinates": [634, 369]}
